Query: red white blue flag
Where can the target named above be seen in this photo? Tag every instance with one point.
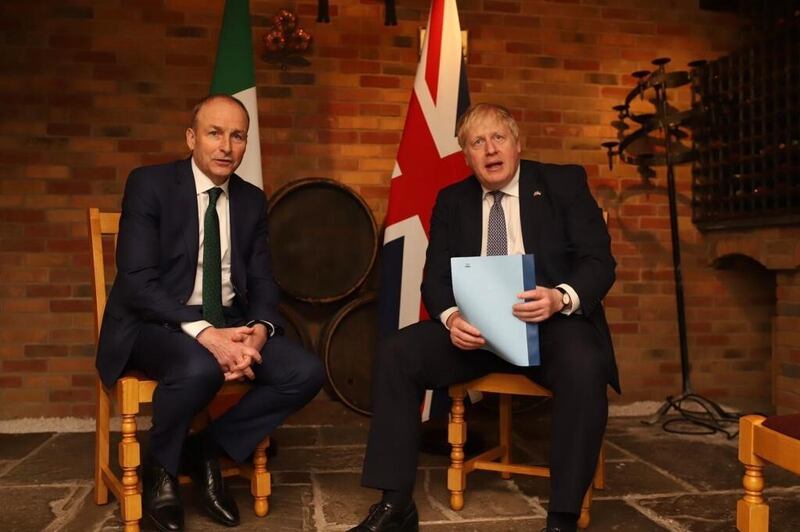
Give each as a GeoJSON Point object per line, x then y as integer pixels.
{"type": "Point", "coordinates": [428, 159]}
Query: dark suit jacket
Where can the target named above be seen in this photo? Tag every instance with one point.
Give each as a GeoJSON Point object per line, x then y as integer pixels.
{"type": "Point", "coordinates": [562, 226]}
{"type": "Point", "coordinates": [157, 252]}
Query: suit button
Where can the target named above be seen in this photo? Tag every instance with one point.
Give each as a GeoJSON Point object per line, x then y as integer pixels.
{"type": "Point", "coordinates": [183, 301]}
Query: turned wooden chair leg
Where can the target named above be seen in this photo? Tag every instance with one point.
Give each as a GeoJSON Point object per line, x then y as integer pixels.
{"type": "Point", "coordinates": [260, 482]}
{"type": "Point", "coordinates": [457, 436]}
{"type": "Point", "coordinates": [752, 513]}
{"type": "Point", "coordinates": [101, 442]}
{"type": "Point", "coordinates": [585, 517]}
{"type": "Point", "coordinates": [129, 455]}
{"type": "Point", "coordinates": [599, 481]}
{"type": "Point", "coordinates": [505, 431]}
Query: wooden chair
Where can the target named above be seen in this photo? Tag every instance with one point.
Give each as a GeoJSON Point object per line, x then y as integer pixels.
{"type": "Point", "coordinates": [506, 385]}
{"type": "Point", "coordinates": [133, 390]}
{"type": "Point", "coordinates": [775, 440]}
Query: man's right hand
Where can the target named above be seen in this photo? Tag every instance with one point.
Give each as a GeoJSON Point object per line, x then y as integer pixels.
{"type": "Point", "coordinates": [227, 346]}
{"type": "Point", "coordinates": [463, 334]}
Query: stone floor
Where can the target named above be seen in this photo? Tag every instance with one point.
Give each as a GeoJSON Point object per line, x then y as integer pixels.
{"type": "Point", "coordinates": [655, 481]}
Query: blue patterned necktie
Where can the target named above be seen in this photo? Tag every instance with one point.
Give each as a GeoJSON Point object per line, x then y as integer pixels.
{"type": "Point", "coordinates": [212, 263]}
{"type": "Point", "coordinates": [497, 240]}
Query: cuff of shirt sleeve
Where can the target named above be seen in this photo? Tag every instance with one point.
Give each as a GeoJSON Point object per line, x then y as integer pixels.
{"type": "Point", "coordinates": [271, 330]}
{"type": "Point", "coordinates": [573, 295]}
{"type": "Point", "coordinates": [445, 315]}
{"type": "Point", "coordinates": [193, 328]}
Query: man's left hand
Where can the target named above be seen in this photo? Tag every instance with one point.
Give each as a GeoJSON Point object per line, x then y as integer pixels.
{"type": "Point", "coordinates": [539, 305]}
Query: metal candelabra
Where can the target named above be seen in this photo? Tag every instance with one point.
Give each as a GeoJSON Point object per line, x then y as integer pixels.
{"type": "Point", "coordinates": [658, 142]}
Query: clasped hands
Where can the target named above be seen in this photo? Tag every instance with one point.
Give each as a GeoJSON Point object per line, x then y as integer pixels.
{"type": "Point", "coordinates": [235, 348]}
{"type": "Point", "coordinates": [539, 304]}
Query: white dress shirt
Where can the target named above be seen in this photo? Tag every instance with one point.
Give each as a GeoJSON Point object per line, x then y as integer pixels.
{"type": "Point", "coordinates": [510, 203]}
{"type": "Point", "coordinates": [202, 185]}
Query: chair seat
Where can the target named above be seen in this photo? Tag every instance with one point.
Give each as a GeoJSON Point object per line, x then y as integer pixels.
{"type": "Point", "coordinates": [788, 425]}
{"type": "Point", "coordinates": [504, 383]}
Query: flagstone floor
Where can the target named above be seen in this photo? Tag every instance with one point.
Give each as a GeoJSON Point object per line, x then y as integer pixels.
{"type": "Point", "coordinates": [655, 481]}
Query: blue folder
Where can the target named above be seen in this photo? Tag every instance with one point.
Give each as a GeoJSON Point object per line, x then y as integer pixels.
{"type": "Point", "coordinates": [485, 288]}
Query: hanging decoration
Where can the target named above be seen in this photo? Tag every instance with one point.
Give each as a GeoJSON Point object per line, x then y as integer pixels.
{"type": "Point", "coordinates": [285, 41]}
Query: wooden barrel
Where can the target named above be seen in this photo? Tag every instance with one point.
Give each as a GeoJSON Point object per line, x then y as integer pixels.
{"type": "Point", "coordinates": [348, 344]}
{"type": "Point", "coordinates": [323, 239]}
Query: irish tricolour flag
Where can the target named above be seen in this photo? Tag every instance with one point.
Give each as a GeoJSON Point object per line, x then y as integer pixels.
{"type": "Point", "coordinates": [234, 74]}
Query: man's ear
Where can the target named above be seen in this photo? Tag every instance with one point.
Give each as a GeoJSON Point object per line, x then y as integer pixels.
{"type": "Point", "coordinates": [190, 138]}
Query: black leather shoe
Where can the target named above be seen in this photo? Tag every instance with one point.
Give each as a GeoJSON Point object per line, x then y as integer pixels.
{"type": "Point", "coordinates": [385, 517]}
{"type": "Point", "coordinates": [203, 465]}
{"type": "Point", "coordinates": [161, 501]}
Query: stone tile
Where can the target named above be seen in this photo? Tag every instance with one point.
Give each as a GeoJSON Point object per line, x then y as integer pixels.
{"type": "Point", "coordinates": [611, 515]}
{"type": "Point", "coordinates": [706, 466]}
{"type": "Point", "coordinates": [342, 499]}
{"type": "Point", "coordinates": [624, 478]}
{"type": "Point", "coordinates": [324, 412]}
{"type": "Point", "coordinates": [291, 477]}
{"type": "Point", "coordinates": [614, 454]}
{"type": "Point", "coordinates": [67, 457]}
{"type": "Point", "coordinates": [29, 508]}
{"type": "Point", "coordinates": [290, 510]}
{"type": "Point", "coordinates": [696, 512]}
{"type": "Point", "coordinates": [17, 446]}
{"type": "Point", "coordinates": [355, 434]}
{"type": "Point", "coordinates": [717, 512]}
{"type": "Point", "coordinates": [296, 436]}
{"type": "Point", "coordinates": [487, 496]}
{"type": "Point", "coordinates": [6, 465]}
{"type": "Point", "coordinates": [318, 459]}
{"type": "Point", "coordinates": [530, 486]}
{"type": "Point", "coordinates": [525, 524]}
{"type": "Point", "coordinates": [784, 510]}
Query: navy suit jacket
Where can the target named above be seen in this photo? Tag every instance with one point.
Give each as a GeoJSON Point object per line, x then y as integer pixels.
{"type": "Point", "coordinates": [562, 226]}
{"type": "Point", "coordinates": [157, 251]}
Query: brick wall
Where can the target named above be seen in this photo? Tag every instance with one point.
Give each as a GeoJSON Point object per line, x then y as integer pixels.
{"type": "Point", "coordinates": [92, 89]}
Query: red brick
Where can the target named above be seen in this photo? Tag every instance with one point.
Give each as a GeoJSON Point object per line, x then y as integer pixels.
{"type": "Point", "coordinates": [10, 381]}
{"type": "Point", "coordinates": [24, 366]}
{"type": "Point", "coordinates": [385, 82]}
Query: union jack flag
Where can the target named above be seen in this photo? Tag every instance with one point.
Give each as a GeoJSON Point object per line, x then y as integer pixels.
{"type": "Point", "coordinates": [428, 159]}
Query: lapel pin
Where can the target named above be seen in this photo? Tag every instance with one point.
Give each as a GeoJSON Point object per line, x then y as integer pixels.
{"type": "Point", "coordinates": [536, 194]}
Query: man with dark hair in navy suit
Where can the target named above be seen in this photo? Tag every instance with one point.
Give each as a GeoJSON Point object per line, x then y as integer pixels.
{"type": "Point", "coordinates": [508, 206]}
{"type": "Point", "coordinates": [194, 304]}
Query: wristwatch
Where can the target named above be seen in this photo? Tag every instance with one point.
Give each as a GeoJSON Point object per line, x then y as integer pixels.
{"type": "Point", "coordinates": [565, 299]}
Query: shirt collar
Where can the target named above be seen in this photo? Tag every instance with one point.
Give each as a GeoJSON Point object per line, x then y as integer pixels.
{"type": "Point", "coordinates": [202, 183]}
{"type": "Point", "coordinates": [511, 188]}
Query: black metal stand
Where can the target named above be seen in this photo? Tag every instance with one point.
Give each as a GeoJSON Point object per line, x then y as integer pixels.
{"type": "Point", "coordinates": [709, 416]}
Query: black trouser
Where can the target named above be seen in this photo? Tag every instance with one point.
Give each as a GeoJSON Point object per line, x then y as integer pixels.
{"type": "Point", "coordinates": [189, 377]}
{"type": "Point", "coordinates": [421, 357]}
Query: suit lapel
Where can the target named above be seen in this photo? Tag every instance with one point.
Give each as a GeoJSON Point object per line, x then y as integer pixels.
{"type": "Point", "coordinates": [236, 212]}
{"type": "Point", "coordinates": [472, 219]}
{"type": "Point", "coordinates": [531, 205]}
{"type": "Point", "coordinates": [187, 203]}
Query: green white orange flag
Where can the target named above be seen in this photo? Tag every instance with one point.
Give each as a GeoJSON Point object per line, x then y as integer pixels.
{"type": "Point", "coordinates": [234, 74]}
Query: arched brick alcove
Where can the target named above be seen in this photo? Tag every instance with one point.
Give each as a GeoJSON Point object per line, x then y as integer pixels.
{"type": "Point", "coordinates": [778, 251]}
